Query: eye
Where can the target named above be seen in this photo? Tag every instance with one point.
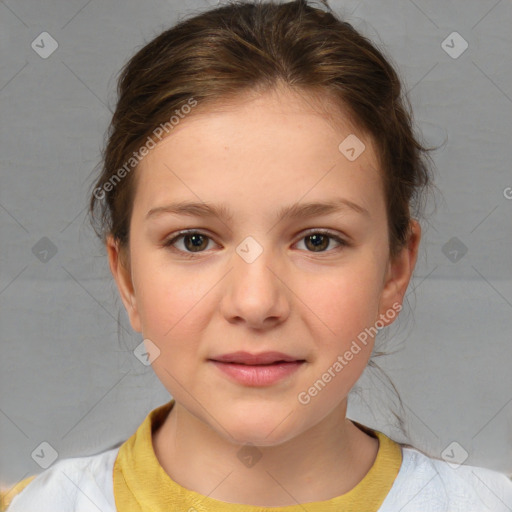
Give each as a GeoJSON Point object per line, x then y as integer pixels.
{"type": "Point", "coordinates": [193, 242]}
{"type": "Point", "coordinates": [319, 240]}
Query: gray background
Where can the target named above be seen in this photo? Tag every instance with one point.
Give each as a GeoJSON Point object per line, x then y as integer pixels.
{"type": "Point", "coordinates": [67, 379]}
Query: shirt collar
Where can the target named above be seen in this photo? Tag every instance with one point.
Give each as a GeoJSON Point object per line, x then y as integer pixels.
{"type": "Point", "coordinates": [141, 484]}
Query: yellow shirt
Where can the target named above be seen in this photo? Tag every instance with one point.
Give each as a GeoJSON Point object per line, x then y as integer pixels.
{"type": "Point", "coordinates": [6, 496]}
{"type": "Point", "coordinates": [141, 484]}
{"type": "Point", "coordinates": [139, 478]}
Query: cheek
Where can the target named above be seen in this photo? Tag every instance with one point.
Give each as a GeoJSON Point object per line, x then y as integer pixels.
{"type": "Point", "coordinates": [342, 307]}
{"type": "Point", "coordinates": [169, 303]}
{"type": "Point", "coordinates": [170, 311]}
{"type": "Point", "coordinates": [343, 302]}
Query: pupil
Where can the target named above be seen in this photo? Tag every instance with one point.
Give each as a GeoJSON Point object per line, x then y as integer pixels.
{"type": "Point", "coordinates": [317, 241]}
{"type": "Point", "coordinates": [196, 241]}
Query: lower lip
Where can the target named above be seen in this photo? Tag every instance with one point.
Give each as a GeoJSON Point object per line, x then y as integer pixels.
{"type": "Point", "coordinates": [258, 375]}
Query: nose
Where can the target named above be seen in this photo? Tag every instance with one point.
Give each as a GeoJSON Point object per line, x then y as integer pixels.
{"type": "Point", "coordinates": [255, 290]}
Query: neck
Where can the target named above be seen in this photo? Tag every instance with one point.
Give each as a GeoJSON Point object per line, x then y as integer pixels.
{"type": "Point", "coordinates": [323, 462]}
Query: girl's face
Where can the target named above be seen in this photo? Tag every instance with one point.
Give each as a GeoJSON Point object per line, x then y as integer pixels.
{"type": "Point", "coordinates": [251, 279]}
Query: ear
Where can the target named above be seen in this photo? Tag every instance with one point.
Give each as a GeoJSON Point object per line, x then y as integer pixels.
{"type": "Point", "coordinates": [122, 275]}
{"type": "Point", "coordinates": [399, 273]}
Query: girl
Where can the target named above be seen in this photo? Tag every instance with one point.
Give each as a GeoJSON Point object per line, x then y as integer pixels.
{"type": "Point", "coordinates": [259, 202]}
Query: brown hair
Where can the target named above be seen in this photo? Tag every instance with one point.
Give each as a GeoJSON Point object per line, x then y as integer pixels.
{"type": "Point", "coordinates": [253, 47]}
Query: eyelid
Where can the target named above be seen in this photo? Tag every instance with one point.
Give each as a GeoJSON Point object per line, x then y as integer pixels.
{"type": "Point", "coordinates": [324, 231]}
{"type": "Point", "coordinates": [173, 237]}
{"type": "Point", "coordinates": [340, 238]}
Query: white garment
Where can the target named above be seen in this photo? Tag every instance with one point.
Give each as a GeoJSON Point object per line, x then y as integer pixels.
{"type": "Point", "coordinates": [423, 484]}
{"type": "Point", "coordinates": [75, 484]}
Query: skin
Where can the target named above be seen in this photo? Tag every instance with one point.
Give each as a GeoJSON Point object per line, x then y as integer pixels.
{"type": "Point", "coordinates": [256, 155]}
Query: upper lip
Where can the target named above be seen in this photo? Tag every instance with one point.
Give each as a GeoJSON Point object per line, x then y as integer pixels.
{"type": "Point", "coordinates": [252, 359]}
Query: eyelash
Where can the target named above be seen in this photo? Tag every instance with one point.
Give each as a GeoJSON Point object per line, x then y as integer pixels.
{"type": "Point", "coordinates": [181, 234]}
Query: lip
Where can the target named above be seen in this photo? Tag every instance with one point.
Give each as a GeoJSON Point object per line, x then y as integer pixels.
{"type": "Point", "coordinates": [255, 359]}
{"type": "Point", "coordinates": [264, 369]}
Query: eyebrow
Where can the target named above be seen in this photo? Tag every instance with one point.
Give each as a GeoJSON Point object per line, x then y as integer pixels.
{"type": "Point", "coordinates": [295, 211]}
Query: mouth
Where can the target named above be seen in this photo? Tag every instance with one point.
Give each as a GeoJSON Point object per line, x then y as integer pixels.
{"type": "Point", "coordinates": [261, 359]}
{"type": "Point", "coordinates": [257, 370]}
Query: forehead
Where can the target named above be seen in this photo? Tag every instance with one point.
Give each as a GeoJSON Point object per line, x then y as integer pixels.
{"type": "Point", "coordinates": [282, 143]}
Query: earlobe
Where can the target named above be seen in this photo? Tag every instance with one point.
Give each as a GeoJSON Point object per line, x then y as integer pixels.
{"type": "Point", "coordinates": [122, 276]}
{"type": "Point", "coordinates": [400, 270]}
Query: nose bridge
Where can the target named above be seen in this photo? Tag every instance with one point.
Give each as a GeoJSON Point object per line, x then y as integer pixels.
{"type": "Point", "coordinates": [255, 290]}
{"type": "Point", "coordinates": [252, 262]}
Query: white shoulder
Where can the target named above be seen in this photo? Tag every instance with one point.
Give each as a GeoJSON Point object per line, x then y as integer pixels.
{"type": "Point", "coordinates": [426, 484]}
{"type": "Point", "coordinates": [76, 484]}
